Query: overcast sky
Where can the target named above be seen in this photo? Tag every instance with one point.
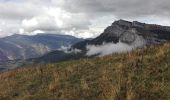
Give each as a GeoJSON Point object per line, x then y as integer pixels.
{"type": "Point", "coordinates": [81, 18]}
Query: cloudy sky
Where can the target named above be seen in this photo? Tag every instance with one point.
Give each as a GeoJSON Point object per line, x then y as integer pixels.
{"type": "Point", "coordinates": [81, 18]}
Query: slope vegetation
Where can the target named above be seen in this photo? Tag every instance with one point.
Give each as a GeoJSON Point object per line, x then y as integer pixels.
{"type": "Point", "coordinates": [139, 75]}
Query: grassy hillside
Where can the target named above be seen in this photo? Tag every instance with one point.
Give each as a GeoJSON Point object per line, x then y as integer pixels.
{"type": "Point", "coordinates": [140, 75]}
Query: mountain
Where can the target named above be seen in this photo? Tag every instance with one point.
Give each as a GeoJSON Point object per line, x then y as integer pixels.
{"type": "Point", "coordinates": [121, 37]}
{"type": "Point", "coordinates": [128, 61]}
{"type": "Point", "coordinates": [139, 75]}
{"type": "Point", "coordinates": [24, 46]}
{"type": "Point", "coordinates": [128, 32]}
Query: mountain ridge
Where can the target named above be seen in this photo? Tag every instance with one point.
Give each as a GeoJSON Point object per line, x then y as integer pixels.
{"type": "Point", "coordinates": [132, 35]}
{"type": "Point", "coordinates": [152, 33]}
{"type": "Point", "coordinates": [30, 46]}
{"type": "Point", "coordinates": [121, 37]}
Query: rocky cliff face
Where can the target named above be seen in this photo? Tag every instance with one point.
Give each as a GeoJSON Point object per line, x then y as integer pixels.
{"type": "Point", "coordinates": [127, 32]}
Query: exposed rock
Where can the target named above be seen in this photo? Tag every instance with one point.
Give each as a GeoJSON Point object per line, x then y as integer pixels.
{"type": "Point", "coordinates": [138, 24]}
{"type": "Point", "coordinates": [123, 23]}
{"type": "Point", "coordinates": [129, 36]}
{"type": "Point", "coordinates": [126, 32]}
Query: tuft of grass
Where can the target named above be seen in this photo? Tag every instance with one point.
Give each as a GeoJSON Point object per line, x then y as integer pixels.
{"type": "Point", "coordinates": [140, 75]}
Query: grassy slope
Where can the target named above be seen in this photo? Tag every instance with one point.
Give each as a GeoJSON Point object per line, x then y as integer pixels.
{"type": "Point", "coordinates": [140, 75]}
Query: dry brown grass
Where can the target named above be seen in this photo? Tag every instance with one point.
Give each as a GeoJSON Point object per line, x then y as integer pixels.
{"type": "Point", "coordinates": [140, 75]}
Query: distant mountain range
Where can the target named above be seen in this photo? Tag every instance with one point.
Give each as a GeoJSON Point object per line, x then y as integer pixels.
{"type": "Point", "coordinates": [121, 37]}
{"type": "Point", "coordinates": [25, 47]}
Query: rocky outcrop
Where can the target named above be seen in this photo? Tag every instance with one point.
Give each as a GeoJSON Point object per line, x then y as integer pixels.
{"type": "Point", "coordinates": [128, 32]}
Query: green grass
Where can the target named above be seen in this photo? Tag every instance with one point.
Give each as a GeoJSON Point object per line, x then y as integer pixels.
{"type": "Point", "coordinates": [140, 75]}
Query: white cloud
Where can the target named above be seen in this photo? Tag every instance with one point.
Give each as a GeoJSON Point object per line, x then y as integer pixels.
{"type": "Point", "coordinates": [69, 50]}
{"type": "Point", "coordinates": [18, 11]}
{"type": "Point", "coordinates": [38, 31]}
{"type": "Point", "coordinates": [85, 18]}
{"type": "Point", "coordinates": [111, 48]}
{"type": "Point", "coordinates": [119, 47]}
{"type": "Point", "coordinates": [57, 20]}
